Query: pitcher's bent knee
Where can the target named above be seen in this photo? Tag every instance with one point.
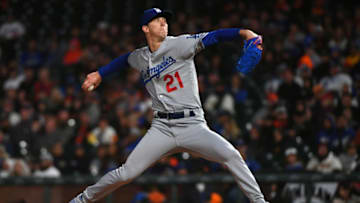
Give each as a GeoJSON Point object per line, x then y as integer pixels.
{"type": "Point", "coordinates": [233, 154]}
{"type": "Point", "coordinates": [126, 174]}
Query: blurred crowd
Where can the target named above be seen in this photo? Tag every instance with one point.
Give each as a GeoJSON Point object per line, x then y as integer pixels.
{"type": "Point", "coordinates": [297, 111]}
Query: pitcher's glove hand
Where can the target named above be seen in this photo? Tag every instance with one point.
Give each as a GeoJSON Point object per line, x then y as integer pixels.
{"type": "Point", "coordinates": [252, 52]}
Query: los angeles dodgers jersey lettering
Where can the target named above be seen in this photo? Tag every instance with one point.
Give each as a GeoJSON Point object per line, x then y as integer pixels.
{"type": "Point", "coordinates": [169, 73]}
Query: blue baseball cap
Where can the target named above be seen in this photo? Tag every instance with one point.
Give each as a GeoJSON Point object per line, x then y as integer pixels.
{"type": "Point", "coordinates": [153, 13]}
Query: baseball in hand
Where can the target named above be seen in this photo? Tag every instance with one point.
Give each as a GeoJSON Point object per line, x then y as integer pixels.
{"type": "Point", "coordinates": [91, 88]}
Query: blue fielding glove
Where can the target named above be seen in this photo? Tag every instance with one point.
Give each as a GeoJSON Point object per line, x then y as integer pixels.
{"type": "Point", "coordinates": [251, 56]}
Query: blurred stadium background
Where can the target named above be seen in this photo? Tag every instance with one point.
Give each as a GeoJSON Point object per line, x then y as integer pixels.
{"type": "Point", "coordinates": [295, 119]}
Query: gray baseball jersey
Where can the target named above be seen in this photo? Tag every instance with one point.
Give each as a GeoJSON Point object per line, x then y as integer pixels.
{"type": "Point", "coordinates": [170, 77]}
{"type": "Point", "coordinates": [169, 73]}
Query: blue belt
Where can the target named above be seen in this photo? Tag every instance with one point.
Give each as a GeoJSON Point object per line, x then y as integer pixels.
{"type": "Point", "coordinates": [175, 115]}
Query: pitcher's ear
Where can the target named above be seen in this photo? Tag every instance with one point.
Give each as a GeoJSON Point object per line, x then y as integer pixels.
{"type": "Point", "coordinates": [145, 28]}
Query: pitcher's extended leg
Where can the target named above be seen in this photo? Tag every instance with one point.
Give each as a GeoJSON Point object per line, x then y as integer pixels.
{"type": "Point", "coordinates": [151, 148]}
{"type": "Point", "coordinates": [200, 139]}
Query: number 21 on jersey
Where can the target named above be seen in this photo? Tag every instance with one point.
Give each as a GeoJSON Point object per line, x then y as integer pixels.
{"type": "Point", "coordinates": [169, 79]}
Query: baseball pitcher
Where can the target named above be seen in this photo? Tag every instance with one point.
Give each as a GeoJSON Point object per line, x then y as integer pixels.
{"type": "Point", "coordinates": [168, 71]}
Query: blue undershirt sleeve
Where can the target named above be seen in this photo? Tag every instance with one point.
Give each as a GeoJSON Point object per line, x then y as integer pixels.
{"type": "Point", "coordinates": [220, 35]}
{"type": "Point", "coordinates": [116, 65]}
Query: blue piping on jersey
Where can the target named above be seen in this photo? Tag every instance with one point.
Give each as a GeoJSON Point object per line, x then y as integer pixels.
{"type": "Point", "coordinates": [115, 65]}
{"type": "Point", "coordinates": [155, 71]}
{"type": "Point", "coordinates": [220, 35]}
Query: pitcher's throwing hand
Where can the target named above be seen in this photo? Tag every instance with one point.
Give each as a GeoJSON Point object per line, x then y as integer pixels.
{"type": "Point", "coordinates": [92, 81]}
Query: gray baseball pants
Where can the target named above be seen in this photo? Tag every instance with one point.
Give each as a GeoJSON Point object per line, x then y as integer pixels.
{"type": "Point", "coordinates": [165, 136]}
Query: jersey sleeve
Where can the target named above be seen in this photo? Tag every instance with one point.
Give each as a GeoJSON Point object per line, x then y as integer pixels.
{"type": "Point", "coordinates": [115, 65]}
{"type": "Point", "coordinates": [135, 58]}
{"type": "Point", "coordinates": [191, 44]}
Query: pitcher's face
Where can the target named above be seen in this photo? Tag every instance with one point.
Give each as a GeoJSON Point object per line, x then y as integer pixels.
{"type": "Point", "coordinates": [158, 28]}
